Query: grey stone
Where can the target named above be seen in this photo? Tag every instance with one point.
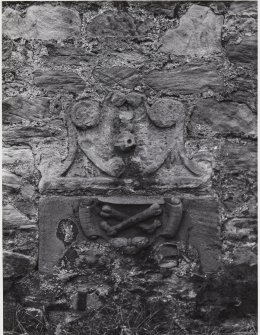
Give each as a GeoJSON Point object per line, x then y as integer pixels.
{"type": "Point", "coordinates": [16, 264]}
{"type": "Point", "coordinates": [18, 109]}
{"type": "Point", "coordinates": [69, 55]}
{"type": "Point", "coordinates": [44, 22]}
{"type": "Point", "coordinates": [243, 7]}
{"type": "Point", "coordinates": [25, 134]}
{"type": "Point", "coordinates": [199, 33]}
{"type": "Point", "coordinates": [18, 159]}
{"type": "Point", "coordinates": [187, 79]}
{"type": "Point", "coordinates": [166, 112]}
{"type": "Point", "coordinates": [59, 80]}
{"type": "Point", "coordinates": [11, 182]}
{"type": "Point", "coordinates": [85, 114]}
{"type": "Point", "coordinates": [12, 218]}
{"type": "Point", "coordinates": [122, 75]}
{"type": "Point", "coordinates": [243, 52]}
{"type": "Point", "coordinates": [111, 23]}
{"type": "Point", "coordinates": [211, 117]}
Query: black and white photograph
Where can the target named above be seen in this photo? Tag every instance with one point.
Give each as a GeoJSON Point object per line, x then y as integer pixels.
{"type": "Point", "coordinates": [129, 167]}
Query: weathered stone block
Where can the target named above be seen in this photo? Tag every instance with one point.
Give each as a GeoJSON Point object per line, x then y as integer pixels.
{"type": "Point", "coordinates": [12, 218]}
{"type": "Point", "coordinates": [243, 52]}
{"type": "Point", "coordinates": [187, 79]}
{"type": "Point", "coordinates": [122, 75]}
{"type": "Point", "coordinates": [18, 159]}
{"type": "Point", "coordinates": [16, 264]}
{"type": "Point", "coordinates": [11, 182]}
{"type": "Point", "coordinates": [44, 22]}
{"type": "Point", "coordinates": [112, 23]}
{"type": "Point", "coordinates": [198, 34]}
{"type": "Point", "coordinates": [58, 80]}
{"type": "Point", "coordinates": [18, 109]}
{"type": "Point", "coordinates": [68, 55]}
{"type": "Point", "coordinates": [211, 117]}
{"type": "Point", "coordinates": [132, 220]}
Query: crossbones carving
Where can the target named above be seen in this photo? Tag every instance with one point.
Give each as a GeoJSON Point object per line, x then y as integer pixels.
{"type": "Point", "coordinates": [127, 222]}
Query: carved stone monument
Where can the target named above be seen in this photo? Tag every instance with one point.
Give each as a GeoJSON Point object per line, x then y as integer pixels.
{"type": "Point", "coordinates": [128, 156]}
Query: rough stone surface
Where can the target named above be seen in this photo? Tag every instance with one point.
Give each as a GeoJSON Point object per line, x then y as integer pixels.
{"type": "Point", "coordinates": [12, 218]}
{"type": "Point", "coordinates": [18, 109]}
{"type": "Point", "coordinates": [198, 33]}
{"type": "Point", "coordinates": [129, 167]}
{"type": "Point", "coordinates": [188, 79]}
{"type": "Point", "coordinates": [243, 52]}
{"type": "Point", "coordinates": [58, 80]}
{"type": "Point", "coordinates": [41, 22]}
{"type": "Point", "coordinates": [16, 265]}
{"type": "Point", "coordinates": [226, 118]}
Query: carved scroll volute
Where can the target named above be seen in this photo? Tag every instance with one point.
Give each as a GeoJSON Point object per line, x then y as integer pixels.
{"type": "Point", "coordinates": [172, 217]}
{"type": "Point", "coordinates": [86, 214]}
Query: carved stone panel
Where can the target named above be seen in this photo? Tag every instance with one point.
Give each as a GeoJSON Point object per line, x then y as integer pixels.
{"type": "Point", "coordinates": [128, 224]}
{"type": "Point", "coordinates": [126, 139]}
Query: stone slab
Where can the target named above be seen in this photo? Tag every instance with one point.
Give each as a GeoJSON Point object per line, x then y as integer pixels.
{"type": "Point", "coordinates": [198, 224]}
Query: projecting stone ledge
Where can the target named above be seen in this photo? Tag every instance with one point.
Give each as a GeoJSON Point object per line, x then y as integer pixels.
{"type": "Point", "coordinates": [188, 79]}
{"type": "Point", "coordinates": [41, 22]}
{"type": "Point", "coordinates": [199, 33]}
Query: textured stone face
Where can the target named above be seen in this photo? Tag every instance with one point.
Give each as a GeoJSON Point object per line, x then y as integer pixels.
{"type": "Point", "coordinates": [42, 22]}
{"type": "Point", "coordinates": [129, 167]}
{"type": "Point", "coordinates": [198, 34]}
{"type": "Point", "coordinates": [188, 79]}
{"type": "Point", "coordinates": [212, 117]}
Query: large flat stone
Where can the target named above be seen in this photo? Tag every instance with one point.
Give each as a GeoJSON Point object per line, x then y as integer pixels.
{"type": "Point", "coordinates": [44, 22]}
{"type": "Point", "coordinates": [68, 55]}
{"type": "Point", "coordinates": [18, 109]}
{"type": "Point", "coordinates": [211, 117]}
{"type": "Point", "coordinates": [188, 79]}
{"type": "Point", "coordinates": [199, 33]}
{"type": "Point", "coordinates": [243, 52]}
{"type": "Point", "coordinates": [122, 75]}
{"type": "Point", "coordinates": [59, 80]}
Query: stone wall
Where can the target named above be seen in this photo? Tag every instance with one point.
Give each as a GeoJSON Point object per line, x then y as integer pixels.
{"type": "Point", "coordinates": [129, 167]}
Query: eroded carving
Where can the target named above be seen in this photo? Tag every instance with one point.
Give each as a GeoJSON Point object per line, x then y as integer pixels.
{"type": "Point", "coordinates": [125, 137]}
{"type": "Point", "coordinates": [85, 114]}
{"type": "Point", "coordinates": [153, 210]}
{"type": "Point", "coordinates": [67, 231]}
